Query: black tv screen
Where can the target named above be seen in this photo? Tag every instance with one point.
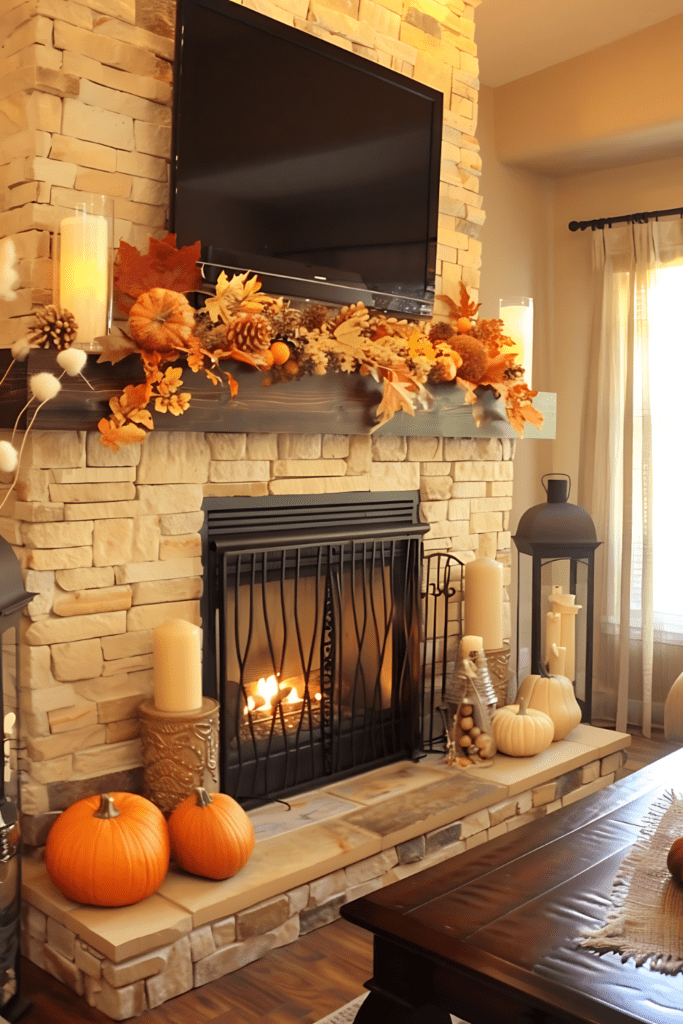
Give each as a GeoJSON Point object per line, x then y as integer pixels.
{"type": "Point", "coordinates": [309, 165]}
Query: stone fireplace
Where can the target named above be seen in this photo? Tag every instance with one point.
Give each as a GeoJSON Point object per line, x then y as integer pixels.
{"type": "Point", "coordinates": [111, 543]}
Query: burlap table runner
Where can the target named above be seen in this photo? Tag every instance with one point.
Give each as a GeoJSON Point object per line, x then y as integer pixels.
{"type": "Point", "coordinates": [646, 920]}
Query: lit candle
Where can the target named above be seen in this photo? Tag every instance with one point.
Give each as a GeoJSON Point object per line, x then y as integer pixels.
{"type": "Point", "coordinates": [484, 601]}
{"type": "Point", "coordinates": [518, 324]}
{"type": "Point", "coordinates": [553, 633]}
{"type": "Point", "coordinates": [177, 648]}
{"type": "Point", "coordinates": [468, 644]}
{"type": "Point", "coordinates": [84, 274]}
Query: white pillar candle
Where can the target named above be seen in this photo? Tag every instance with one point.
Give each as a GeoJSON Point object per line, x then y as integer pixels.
{"type": "Point", "coordinates": [177, 648]}
{"type": "Point", "coordinates": [563, 604]}
{"type": "Point", "coordinates": [484, 602]}
{"type": "Point", "coordinates": [553, 633]}
{"type": "Point", "coordinates": [517, 315]}
{"type": "Point", "coordinates": [468, 644]}
{"type": "Point", "coordinates": [84, 274]}
{"type": "Point", "coordinates": [557, 660]}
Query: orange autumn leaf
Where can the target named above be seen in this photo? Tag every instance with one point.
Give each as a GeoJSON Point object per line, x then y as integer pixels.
{"type": "Point", "coordinates": [115, 437]}
{"type": "Point", "coordinates": [163, 266]}
{"type": "Point", "coordinates": [232, 384]}
{"type": "Point", "coordinates": [396, 397]}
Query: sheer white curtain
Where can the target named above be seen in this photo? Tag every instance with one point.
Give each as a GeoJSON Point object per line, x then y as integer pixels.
{"type": "Point", "coordinates": [631, 476]}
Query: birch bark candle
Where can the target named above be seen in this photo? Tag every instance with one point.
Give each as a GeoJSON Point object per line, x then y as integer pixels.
{"type": "Point", "coordinates": [177, 646]}
{"type": "Point", "coordinates": [484, 602]}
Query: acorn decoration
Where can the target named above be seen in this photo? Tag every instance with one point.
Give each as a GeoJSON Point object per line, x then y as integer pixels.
{"type": "Point", "coordinates": [470, 700]}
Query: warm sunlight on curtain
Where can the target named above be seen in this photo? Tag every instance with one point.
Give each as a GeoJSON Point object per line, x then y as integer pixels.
{"type": "Point", "coordinates": [633, 479]}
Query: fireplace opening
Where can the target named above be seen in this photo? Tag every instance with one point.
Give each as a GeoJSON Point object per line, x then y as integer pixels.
{"type": "Point", "coordinates": [312, 628]}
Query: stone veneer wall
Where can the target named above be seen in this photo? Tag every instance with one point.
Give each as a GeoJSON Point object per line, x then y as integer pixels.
{"type": "Point", "coordinates": [110, 544]}
{"type": "Point", "coordinates": [85, 105]}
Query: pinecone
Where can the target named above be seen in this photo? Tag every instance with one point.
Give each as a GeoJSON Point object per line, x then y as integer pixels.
{"type": "Point", "coordinates": [357, 311]}
{"type": "Point", "coordinates": [440, 331]}
{"type": "Point", "coordinates": [53, 326]}
{"type": "Point", "coordinates": [474, 357]}
{"type": "Point", "coordinates": [313, 317]}
{"type": "Point", "coordinates": [250, 332]}
{"type": "Point", "coordinates": [211, 335]}
{"type": "Point", "coordinates": [283, 320]}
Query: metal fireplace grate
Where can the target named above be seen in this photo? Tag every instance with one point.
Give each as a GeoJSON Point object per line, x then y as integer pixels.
{"type": "Point", "coordinates": [314, 607]}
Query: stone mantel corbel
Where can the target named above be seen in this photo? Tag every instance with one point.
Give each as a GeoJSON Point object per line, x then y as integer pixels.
{"type": "Point", "coordinates": [337, 403]}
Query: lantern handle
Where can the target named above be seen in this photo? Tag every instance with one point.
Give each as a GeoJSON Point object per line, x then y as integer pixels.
{"type": "Point", "coordinates": [546, 475]}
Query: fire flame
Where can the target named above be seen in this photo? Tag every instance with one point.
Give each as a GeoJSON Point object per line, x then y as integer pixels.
{"type": "Point", "coordinates": [267, 693]}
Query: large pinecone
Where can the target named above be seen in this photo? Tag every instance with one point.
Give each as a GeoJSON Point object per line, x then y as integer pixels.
{"type": "Point", "coordinates": [250, 332]}
{"type": "Point", "coordinates": [283, 320]}
{"type": "Point", "coordinates": [53, 327]}
{"type": "Point", "coordinates": [313, 317]}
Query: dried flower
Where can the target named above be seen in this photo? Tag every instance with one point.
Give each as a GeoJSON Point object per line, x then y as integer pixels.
{"type": "Point", "coordinates": [20, 349]}
{"type": "Point", "coordinates": [44, 386]}
{"type": "Point", "coordinates": [72, 360]}
{"type": "Point", "coordinates": [8, 457]}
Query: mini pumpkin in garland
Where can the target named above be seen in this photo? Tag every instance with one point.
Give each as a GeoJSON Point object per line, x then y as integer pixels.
{"type": "Point", "coordinates": [110, 850]}
{"type": "Point", "coordinates": [211, 835]}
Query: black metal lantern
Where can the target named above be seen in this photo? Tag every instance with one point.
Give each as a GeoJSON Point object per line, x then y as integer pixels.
{"type": "Point", "coordinates": [13, 599]}
{"type": "Point", "coordinates": [561, 540]}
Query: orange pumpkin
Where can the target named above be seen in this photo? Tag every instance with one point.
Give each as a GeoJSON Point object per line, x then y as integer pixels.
{"type": "Point", "coordinates": [211, 835]}
{"type": "Point", "coordinates": [674, 861]}
{"type": "Point", "coordinates": [161, 320]}
{"type": "Point", "coordinates": [109, 850]}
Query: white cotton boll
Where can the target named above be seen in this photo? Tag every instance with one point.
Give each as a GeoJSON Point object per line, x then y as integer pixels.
{"type": "Point", "coordinates": [8, 457]}
{"type": "Point", "coordinates": [9, 274]}
{"type": "Point", "coordinates": [44, 386]}
{"type": "Point", "coordinates": [72, 360]}
{"type": "Point", "coordinates": [20, 349]}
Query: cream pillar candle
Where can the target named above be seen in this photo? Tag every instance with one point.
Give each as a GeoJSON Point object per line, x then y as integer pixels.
{"type": "Point", "coordinates": [563, 604]}
{"type": "Point", "coordinates": [557, 660]}
{"type": "Point", "coordinates": [553, 633]}
{"type": "Point", "coordinates": [469, 644]}
{"type": "Point", "coordinates": [484, 602]}
{"type": "Point", "coordinates": [177, 648]}
{"type": "Point", "coordinates": [84, 274]}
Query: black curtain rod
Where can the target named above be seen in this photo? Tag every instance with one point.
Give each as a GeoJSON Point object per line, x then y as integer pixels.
{"type": "Point", "coordinates": [630, 218]}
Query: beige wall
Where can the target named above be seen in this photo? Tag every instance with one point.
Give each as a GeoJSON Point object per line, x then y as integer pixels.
{"type": "Point", "coordinates": [617, 104]}
{"type": "Point", "coordinates": [518, 243]}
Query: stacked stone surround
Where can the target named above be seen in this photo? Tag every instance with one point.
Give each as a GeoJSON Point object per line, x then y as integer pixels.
{"type": "Point", "coordinates": [110, 544]}
{"type": "Point", "coordinates": [85, 106]}
{"type": "Point", "coordinates": [180, 939]}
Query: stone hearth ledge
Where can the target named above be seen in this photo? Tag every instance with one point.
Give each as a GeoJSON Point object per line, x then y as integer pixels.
{"type": "Point", "coordinates": [335, 844]}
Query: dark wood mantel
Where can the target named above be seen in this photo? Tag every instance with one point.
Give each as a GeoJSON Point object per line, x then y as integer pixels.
{"type": "Point", "coordinates": [337, 403]}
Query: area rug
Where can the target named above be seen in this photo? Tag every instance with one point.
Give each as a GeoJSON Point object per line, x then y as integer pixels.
{"type": "Point", "coordinates": [646, 919]}
{"type": "Point", "coordinates": [346, 1014]}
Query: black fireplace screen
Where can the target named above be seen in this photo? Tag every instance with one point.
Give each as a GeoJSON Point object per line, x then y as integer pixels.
{"type": "Point", "coordinates": [315, 607]}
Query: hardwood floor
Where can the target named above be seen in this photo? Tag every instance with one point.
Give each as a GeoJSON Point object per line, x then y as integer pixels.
{"type": "Point", "coordinates": [297, 984]}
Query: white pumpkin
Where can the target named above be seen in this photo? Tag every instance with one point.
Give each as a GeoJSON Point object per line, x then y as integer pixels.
{"type": "Point", "coordinates": [520, 732]}
{"type": "Point", "coordinates": [554, 695]}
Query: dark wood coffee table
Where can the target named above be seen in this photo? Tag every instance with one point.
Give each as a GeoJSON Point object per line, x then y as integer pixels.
{"type": "Point", "coordinates": [491, 935]}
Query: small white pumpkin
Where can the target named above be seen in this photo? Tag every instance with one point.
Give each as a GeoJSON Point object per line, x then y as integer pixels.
{"type": "Point", "coordinates": [553, 695]}
{"type": "Point", "coordinates": [520, 732]}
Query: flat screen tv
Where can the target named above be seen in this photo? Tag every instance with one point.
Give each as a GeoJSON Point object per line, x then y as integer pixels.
{"type": "Point", "coordinates": [302, 162]}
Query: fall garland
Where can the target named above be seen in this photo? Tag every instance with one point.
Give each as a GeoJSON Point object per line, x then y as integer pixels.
{"type": "Point", "coordinates": [242, 323]}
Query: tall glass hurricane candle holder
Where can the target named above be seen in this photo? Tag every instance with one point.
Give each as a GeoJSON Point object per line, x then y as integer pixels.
{"type": "Point", "coordinates": [517, 314]}
{"type": "Point", "coordinates": [84, 267]}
